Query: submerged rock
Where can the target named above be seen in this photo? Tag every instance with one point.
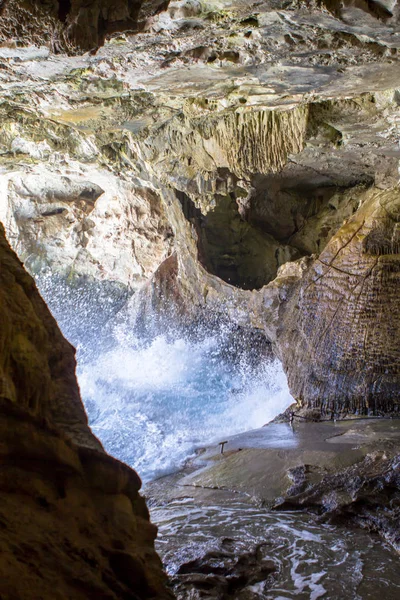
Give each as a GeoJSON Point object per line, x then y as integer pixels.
{"type": "Point", "coordinates": [226, 571]}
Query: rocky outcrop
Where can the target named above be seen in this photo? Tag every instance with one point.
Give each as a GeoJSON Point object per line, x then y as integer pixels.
{"type": "Point", "coordinates": [223, 572]}
{"type": "Point", "coordinates": [357, 493]}
{"type": "Point", "coordinates": [73, 523]}
{"type": "Point", "coordinates": [85, 223]}
{"type": "Point", "coordinates": [338, 333]}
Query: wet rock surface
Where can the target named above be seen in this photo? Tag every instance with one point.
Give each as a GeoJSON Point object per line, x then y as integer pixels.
{"type": "Point", "coordinates": [346, 471]}
{"type": "Point", "coordinates": [303, 555]}
{"type": "Point", "coordinates": [367, 494]}
{"type": "Point", "coordinates": [223, 572]}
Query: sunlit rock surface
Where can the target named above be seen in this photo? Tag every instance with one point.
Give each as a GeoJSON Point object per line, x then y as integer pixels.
{"type": "Point", "coordinates": [85, 222]}
{"type": "Point", "coordinates": [73, 524]}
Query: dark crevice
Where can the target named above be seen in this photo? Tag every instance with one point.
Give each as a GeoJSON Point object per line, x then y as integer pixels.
{"type": "Point", "coordinates": [280, 218]}
{"type": "Point", "coordinates": [233, 249]}
{"type": "Point", "coordinates": [196, 218]}
{"type": "Point", "coordinates": [64, 8]}
{"type": "Point", "coordinates": [53, 212]}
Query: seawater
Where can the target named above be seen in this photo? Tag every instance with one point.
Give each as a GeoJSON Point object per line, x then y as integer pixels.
{"type": "Point", "coordinates": [153, 404]}
{"type": "Point", "coordinates": [153, 400]}
{"type": "Point", "coordinates": [312, 559]}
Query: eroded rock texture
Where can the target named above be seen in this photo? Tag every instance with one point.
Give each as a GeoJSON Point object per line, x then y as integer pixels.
{"type": "Point", "coordinates": [85, 223]}
{"type": "Point", "coordinates": [367, 493]}
{"type": "Point", "coordinates": [338, 335]}
{"type": "Point", "coordinates": [71, 24]}
{"type": "Point", "coordinates": [72, 522]}
{"type": "Point", "coordinates": [207, 164]}
{"type": "Point", "coordinates": [344, 315]}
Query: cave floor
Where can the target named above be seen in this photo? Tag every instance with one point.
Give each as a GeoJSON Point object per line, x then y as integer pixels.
{"type": "Point", "coordinates": [285, 512]}
{"type": "Point", "coordinates": [263, 465]}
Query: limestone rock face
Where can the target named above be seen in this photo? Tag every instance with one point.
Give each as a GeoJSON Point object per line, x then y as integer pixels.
{"type": "Point", "coordinates": [338, 334]}
{"type": "Point", "coordinates": [85, 222]}
{"type": "Point", "coordinates": [73, 523]}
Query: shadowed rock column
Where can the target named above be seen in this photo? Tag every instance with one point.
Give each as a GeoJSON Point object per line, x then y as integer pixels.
{"type": "Point", "coordinates": [73, 24]}
{"type": "Point", "coordinates": [72, 522]}
{"type": "Point", "coordinates": [339, 333]}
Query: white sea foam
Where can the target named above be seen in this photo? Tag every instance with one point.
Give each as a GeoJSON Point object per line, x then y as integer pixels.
{"type": "Point", "coordinates": [153, 401]}
{"type": "Point", "coordinates": [153, 404]}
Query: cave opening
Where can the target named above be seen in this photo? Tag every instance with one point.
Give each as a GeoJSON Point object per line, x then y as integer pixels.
{"type": "Point", "coordinates": [153, 397]}
{"type": "Point", "coordinates": [152, 393]}
{"type": "Point", "coordinates": [248, 235]}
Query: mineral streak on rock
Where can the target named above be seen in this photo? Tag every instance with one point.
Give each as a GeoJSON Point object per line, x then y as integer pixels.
{"type": "Point", "coordinates": [73, 524]}
{"type": "Point", "coordinates": [338, 335]}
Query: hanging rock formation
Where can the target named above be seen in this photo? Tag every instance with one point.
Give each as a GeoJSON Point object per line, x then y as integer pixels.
{"type": "Point", "coordinates": [73, 524]}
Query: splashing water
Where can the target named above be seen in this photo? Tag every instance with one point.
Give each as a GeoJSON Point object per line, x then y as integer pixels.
{"type": "Point", "coordinates": [152, 405]}
{"type": "Point", "coordinates": [152, 402]}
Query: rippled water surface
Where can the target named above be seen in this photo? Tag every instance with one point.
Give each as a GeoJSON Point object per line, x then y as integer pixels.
{"type": "Point", "coordinates": [313, 560]}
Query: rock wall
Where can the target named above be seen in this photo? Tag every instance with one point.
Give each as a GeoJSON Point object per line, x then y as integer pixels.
{"type": "Point", "coordinates": [338, 334]}
{"type": "Point", "coordinates": [84, 222]}
{"type": "Point", "coordinates": [71, 25]}
{"type": "Point", "coordinates": [73, 523]}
